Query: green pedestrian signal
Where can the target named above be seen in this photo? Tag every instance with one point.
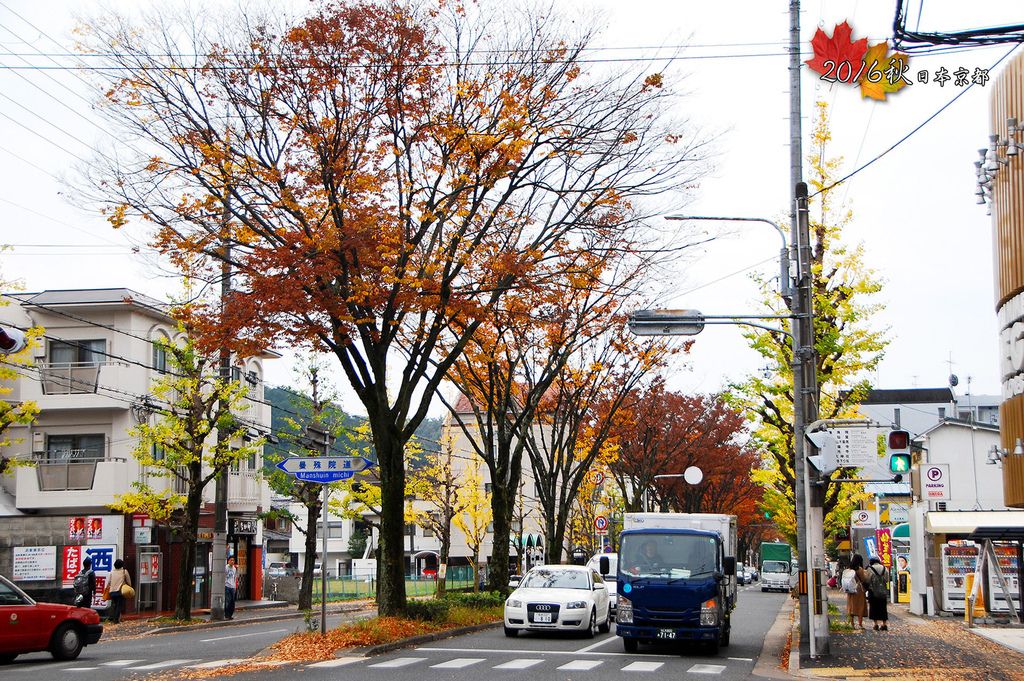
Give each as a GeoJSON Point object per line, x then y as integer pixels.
{"type": "Point", "coordinates": [898, 444]}
{"type": "Point", "coordinates": [899, 463]}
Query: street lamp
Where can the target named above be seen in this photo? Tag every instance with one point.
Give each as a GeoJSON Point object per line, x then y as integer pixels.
{"type": "Point", "coordinates": [784, 288]}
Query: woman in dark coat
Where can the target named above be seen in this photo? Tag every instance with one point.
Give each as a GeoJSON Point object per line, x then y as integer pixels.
{"type": "Point", "coordinates": [878, 608]}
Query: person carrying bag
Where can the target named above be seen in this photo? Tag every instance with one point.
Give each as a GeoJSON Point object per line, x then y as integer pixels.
{"type": "Point", "coordinates": [878, 594]}
{"type": "Point", "coordinates": [120, 585]}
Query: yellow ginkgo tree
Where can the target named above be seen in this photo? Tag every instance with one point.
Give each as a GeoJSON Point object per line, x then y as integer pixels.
{"type": "Point", "coordinates": [473, 521]}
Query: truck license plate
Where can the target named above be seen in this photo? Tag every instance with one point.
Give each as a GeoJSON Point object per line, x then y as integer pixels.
{"type": "Point", "coordinates": [543, 617]}
{"type": "Point", "coordinates": [666, 633]}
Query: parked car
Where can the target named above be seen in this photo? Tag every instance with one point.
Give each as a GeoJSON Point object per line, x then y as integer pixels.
{"type": "Point", "coordinates": [611, 581]}
{"type": "Point", "coordinates": [280, 570]}
{"type": "Point", "coordinates": [31, 627]}
{"type": "Point", "coordinates": [753, 572]}
{"type": "Point", "coordinates": [559, 598]}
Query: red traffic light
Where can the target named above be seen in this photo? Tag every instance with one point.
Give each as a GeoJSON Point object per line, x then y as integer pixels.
{"type": "Point", "coordinates": [899, 439]}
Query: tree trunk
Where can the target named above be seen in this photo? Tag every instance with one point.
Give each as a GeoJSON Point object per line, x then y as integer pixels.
{"type": "Point", "coordinates": [190, 530]}
{"type": "Point", "coordinates": [309, 563]}
{"type": "Point", "coordinates": [446, 543]}
{"type": "Point", "coordinates": [391, 562]}
{"type": "Point", "coordinates": [502, 506]}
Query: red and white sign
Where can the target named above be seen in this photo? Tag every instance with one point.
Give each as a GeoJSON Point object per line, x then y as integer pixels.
{"type": "Point", "coordinates": [596, 477]}
{"type": "Point", "coordinates": [601, 524]}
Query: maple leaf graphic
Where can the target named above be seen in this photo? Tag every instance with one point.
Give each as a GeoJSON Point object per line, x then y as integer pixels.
{"type": "Point", "coordinates": [882, 71]}
{"type": "Point", "coordinates": [838, 50]}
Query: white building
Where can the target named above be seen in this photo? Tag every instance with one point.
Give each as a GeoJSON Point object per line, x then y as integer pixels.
{"type": "Point", "coordinates": [90, 378]}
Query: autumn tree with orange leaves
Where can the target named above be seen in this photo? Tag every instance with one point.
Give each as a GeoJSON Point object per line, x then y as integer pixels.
{"type": "Point", "coordinates": [670, 432]}
{"type": "Point", "coordinates": [391, 173]}
{"type": "Point", "coordinates": [513, 361]}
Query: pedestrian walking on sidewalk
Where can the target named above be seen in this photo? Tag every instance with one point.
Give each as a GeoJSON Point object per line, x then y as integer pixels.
{"type": "Point", "coordinates": [853, 585]}
{"type": "Point", "coordinates": [230, 582]}
{"type": "Point", "coordinates": [878, 594]}
{"type": "Point", "coordinates": [118, 579]}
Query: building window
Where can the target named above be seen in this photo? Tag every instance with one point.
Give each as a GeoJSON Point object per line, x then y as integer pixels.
{"type": "Point", "coordinates": [158, 453]}
{"type": "Point", "coordinates": [160, 356]}
{"type": "Point", "coordinates": [78, 352]}
{"type": "Point", "coordinates": [335, 530]}
{"type": "Point", "coordinates": [896, 416]}
{"type": "Point", "coordinates": [487, 488]}
{"type": "Point", "coordinates": [63, 447]}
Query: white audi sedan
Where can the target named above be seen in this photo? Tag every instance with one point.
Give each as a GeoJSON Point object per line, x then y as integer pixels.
{"type": "Point", "coordinates": [559, 598]}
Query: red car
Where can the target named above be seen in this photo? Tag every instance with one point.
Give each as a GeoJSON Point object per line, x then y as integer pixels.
{"type": "Point", "coordinates": [29, 627]}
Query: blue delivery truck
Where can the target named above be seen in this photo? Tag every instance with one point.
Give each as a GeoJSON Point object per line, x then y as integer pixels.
{"type": "Point", "coordinates": [677, 579]}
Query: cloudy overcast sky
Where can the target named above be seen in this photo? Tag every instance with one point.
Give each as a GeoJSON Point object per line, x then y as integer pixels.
{"type": "Point", "coordinates": [914, 206]}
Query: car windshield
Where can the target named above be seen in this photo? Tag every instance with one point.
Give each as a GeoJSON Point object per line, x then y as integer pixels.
{"type": "Point", "coordinates": [677, 556]}
{"type": "Point", "coordinates": [545, 578]}
{"type": "Point", "coordinates": [779, 566]}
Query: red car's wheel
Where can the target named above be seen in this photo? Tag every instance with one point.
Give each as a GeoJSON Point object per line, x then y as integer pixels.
{"type": "Point", "coordinates": [66, 643]}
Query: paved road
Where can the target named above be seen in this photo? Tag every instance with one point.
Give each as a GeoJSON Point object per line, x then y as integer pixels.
{"type": "Point", "coordinates": [468, 657]}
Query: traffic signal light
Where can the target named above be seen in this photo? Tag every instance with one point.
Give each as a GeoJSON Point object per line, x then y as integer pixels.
{"type": "Point", "coordinates": [899, 453]}
{"type": "Point", "coordinates": [11, 341]}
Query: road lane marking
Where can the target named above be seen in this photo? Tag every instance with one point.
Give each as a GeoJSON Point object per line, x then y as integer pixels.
{"type": "Point", "coordinates": [120, 663]}
{"type": "Point", "coordinates": [337, 662]}
{"type": "Point", "coordinates": [597, 645]}
{"type": "Point", "coordinates": [740, 659]}
{"type": "Point", "coordinates": [518, 664]}
{"type": "Point", "coordinates": [706, 669]}
{"type": "Point", "coordinates": [457, 663]}
{"type": "Point", "coordinates": [254, 633]}
{"type": "Point", "coordinates": [579, 665]}
{"type": "Point", "coordinates": [643, 666]}
{"type": "Point", "coordinates": [399, 662]}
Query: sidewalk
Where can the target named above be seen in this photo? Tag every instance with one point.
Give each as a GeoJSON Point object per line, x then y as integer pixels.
{"type": "Point", "coordinates": [246, 612]}
{"type": "Point", "coordinates": [918, 647]}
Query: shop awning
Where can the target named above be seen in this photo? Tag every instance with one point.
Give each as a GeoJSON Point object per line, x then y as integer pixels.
{"type": "Point", "coordinates": [1007, 525]}
{"type": "Point", "coordinates": [901, 531]}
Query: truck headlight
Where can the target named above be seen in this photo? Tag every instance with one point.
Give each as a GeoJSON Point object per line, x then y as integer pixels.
{"type": "Point", "coordinates": [624, 614]}
{"type": "Point", "coordinates": [709, 613]}
{"type": "Point", "coordinates": [576, 605]}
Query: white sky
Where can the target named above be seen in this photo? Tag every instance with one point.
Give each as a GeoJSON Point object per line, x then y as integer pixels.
{"type": "Point", "coordinates": [914, 208]}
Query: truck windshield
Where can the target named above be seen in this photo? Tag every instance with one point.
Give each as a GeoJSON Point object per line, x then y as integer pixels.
{"type": "Point", "coordinates": [676, 556]}
{"type": "Point", "coordinates": [775, 566]}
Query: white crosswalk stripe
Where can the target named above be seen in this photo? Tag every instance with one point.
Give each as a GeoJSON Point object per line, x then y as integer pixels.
{"type": "Point", "coordinates": [643, 666]}
{"type": "Point", "coordinates": [706, 669]}
{"type": "Point", "coordinates": [579, 665]}
{"type": "Point", "coordinates": [398, 662]}
{"type": "Point", "coordinates": [518, 664]}
{"type": "Point", "coordinates": [161, 665]}
{"type": "Point", "coordinates": [216, 664]}
{"type": "Point", "coordinates": [337, 662]}
{"type": "Point", "coordinates": [457, 663]}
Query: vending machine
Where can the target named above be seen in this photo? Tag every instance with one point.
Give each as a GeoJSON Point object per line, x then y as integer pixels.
{"type": "Point", "coordinates": [959, 559]}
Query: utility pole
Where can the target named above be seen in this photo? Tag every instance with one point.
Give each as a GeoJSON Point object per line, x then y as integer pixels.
{"type": "Point", "coordinates": [220, 503]}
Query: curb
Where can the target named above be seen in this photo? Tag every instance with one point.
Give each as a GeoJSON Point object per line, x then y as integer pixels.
{"type": "Point", "coordinates": [248, 620]}
{"type": "Point", "coordinates": [369, 651]}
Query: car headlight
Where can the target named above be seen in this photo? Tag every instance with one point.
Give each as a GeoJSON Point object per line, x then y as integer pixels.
{"type": "Point", "coordinates": [709, 613]}
{"type": "Point", "coordinates": [624, 611]}
{"type": "Point", "coordinates": [576, 605]}
{"type": "Point", "coordinates": [514, 603]}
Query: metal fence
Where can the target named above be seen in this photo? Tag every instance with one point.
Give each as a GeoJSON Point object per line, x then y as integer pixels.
{"type": "Point", "coordinates": [352, 588]}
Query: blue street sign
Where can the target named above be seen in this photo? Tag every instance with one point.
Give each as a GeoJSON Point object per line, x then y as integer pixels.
{"type": "Point", "coordinates": [324, 469]}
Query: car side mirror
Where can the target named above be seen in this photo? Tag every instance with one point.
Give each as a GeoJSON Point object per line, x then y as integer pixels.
{"type": "Point", "coordinates": [513, 582]}
{"type": "Point", "coordinates": [719, 576]}
{"type": "Point", "coordinates": [605, 565]}
{"type": "Point", "coordinates": [729, 565]}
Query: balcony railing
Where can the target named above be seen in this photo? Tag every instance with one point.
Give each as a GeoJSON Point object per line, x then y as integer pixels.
{"type": "Point", "coordinates": [69, 378]}
{"type": "Point", "coordinates": [67, 470]}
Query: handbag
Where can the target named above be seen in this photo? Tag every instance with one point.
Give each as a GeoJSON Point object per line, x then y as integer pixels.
{"type": "Point", "coordinates": [127, 591]}
{"type": "Point", "coordinates": [106, 591]}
